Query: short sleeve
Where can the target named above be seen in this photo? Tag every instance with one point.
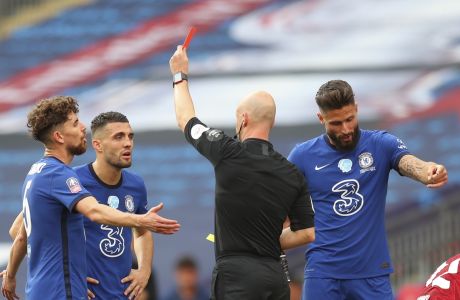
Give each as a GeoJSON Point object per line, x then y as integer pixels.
{"type": "Point", "coordinates": [294, 157]}
{"type": "Point", "coordinates": [142, 208]}
{"type": "Point", "coordinates": [394, 149]}
{"type": "Point", "coordinates": [301, 215]}
{"type": "Point", "coordinates": [212, 143]}
{"type": "Point", "coordinates": [66, 187]}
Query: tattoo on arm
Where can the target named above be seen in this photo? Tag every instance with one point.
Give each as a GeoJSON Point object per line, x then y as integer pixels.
{"type": "Point", "coordinates": [414, 168]}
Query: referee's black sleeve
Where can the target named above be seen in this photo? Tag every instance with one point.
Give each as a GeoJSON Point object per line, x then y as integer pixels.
{"type": "Point", "coordinates": [301, 214]}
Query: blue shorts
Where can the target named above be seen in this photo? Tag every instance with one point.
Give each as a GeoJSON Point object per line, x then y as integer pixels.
{"type": "Point", "coordinates": [378, 288]}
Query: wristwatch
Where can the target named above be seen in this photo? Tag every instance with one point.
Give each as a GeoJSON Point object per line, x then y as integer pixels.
{"type": "Point", "coordinates": [179, 77]}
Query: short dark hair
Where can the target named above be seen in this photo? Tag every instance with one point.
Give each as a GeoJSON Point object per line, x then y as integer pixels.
{"type": "Point", "coordinates": [49, 113]}
{"type": "Point", "coordinates": [105, 118]}
{"type": "Point", "coordinates": [186, 262]}
{"type": "Point", "coordinates": [334, 94]}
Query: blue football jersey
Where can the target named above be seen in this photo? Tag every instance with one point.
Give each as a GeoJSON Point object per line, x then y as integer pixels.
{"type": "Point", "coordinates": [55, 235]}
{"type": "Point", "coordinates": [108, 248]}
{"type": "Point", "coordinates": [348, 191]}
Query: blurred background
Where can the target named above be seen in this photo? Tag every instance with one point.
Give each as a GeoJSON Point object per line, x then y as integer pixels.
{"type": "Point", "coordinates": [402, 57]}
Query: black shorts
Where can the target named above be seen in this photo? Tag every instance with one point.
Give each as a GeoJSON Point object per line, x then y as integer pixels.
{"type": "Point", "coordinates": [249, 278]}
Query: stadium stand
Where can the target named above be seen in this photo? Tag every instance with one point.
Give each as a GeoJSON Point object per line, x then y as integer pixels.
{"type": "Point", "coordinates": [21, 13]}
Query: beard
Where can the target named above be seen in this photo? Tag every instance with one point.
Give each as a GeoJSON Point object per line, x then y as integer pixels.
{"type": "Point", "coordinates": [118, 163]}
{"type": "Point", "coordinates": [77, 150]}
{"type": "Point", "coordinates": [342, 145]}
{"type": "Point", "coordinates": [121, 164]}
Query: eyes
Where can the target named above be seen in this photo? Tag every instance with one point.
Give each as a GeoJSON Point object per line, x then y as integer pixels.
{"type": "Point", "coordinates": [339, 123]}
{"type": "Point", "coordinates": [121, 135]}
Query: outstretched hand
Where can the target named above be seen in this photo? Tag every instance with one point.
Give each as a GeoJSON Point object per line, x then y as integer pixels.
{"type": "Point", "coordinates": [437, 176]}
{"type": "Point", "coordinates": [156, 223]}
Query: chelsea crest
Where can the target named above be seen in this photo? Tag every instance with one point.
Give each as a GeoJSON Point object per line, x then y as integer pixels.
{"type": "Point", "coordinates": [366, 162]}
{"type": "Point", "coordinates": [129, 203]}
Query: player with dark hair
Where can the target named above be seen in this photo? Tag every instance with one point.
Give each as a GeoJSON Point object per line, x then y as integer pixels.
{"type": "Point", "coordinates": [108, 248]}
{"type": "Point", "coordinates": [256, 189]}
{"type": "Point", "coordinates": [347, 171]}
{"type": "Point", "coordinates": [54, 201]}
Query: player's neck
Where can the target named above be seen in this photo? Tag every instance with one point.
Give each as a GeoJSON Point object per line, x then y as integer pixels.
{"type": "Point", "coordinates": [60, 154]}
{"type": "Point", "coordinates": [107, 173]}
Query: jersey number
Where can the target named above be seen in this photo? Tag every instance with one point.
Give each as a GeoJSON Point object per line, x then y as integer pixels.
{"type": "Point", "coordinates": [351, 201]}
{"type": "Point", "coordinates": [26, 209]}
{"type": "Point", "coordinates": [437, 280]}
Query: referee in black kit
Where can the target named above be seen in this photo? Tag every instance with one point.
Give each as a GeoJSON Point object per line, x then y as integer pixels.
{"type": "Point", "coordinates": [256, 190]}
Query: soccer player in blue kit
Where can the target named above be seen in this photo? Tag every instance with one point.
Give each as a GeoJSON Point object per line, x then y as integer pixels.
{"type": "Point", "coordinates": [108, 248]}
{"type": "Point", "coordinates": [347, 171]}
{"type": "Point", "coordinates": [54, 201]}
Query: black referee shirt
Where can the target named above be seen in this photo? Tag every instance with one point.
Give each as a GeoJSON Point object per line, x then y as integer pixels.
{"type": "Point", "coordinates": [256, 189]}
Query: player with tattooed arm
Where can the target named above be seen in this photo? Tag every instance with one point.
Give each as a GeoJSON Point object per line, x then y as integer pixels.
{"type": "Point", "coordinates": [346, 170]}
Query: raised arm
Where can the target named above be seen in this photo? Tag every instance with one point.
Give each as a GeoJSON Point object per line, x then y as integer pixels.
{"type": "Point", "coordinates": [182, 98]}
{"type": "Point", "coordinates": [431, 174]}
{"type": "Point", "coordinates": [104, 214]}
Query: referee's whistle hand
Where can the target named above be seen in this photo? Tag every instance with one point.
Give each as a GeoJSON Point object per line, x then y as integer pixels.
{"type": "Point", "coordinates": [156, 223]}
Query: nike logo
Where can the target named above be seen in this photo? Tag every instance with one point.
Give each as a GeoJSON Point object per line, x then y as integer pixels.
{"type": "Point", "coordinates": [321, 167]}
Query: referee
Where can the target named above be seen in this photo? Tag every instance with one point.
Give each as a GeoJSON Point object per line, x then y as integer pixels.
{"type": "Point", "coordinates": [256, 190]}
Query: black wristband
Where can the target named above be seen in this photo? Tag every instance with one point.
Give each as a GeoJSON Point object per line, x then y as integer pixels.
{"type": "Point", "coordinates": [179, 77]}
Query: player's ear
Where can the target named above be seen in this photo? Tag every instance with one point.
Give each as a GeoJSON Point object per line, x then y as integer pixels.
{"type": "Point", "coordinates": [97, 146]}
{"type": "Point", "coordinates": [320, 118]}
{"type": "Point", "coordinates": [245, 119]}
{"type": "Point", "coordinates": [57, 137]}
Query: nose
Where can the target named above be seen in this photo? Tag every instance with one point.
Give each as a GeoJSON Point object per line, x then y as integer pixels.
{"type": "Point", "coordinates": [128, 143]}
{"type": "Point", "coordinates": [83, 127]}
{"type": "Point", "coordinates": [347, 128]}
